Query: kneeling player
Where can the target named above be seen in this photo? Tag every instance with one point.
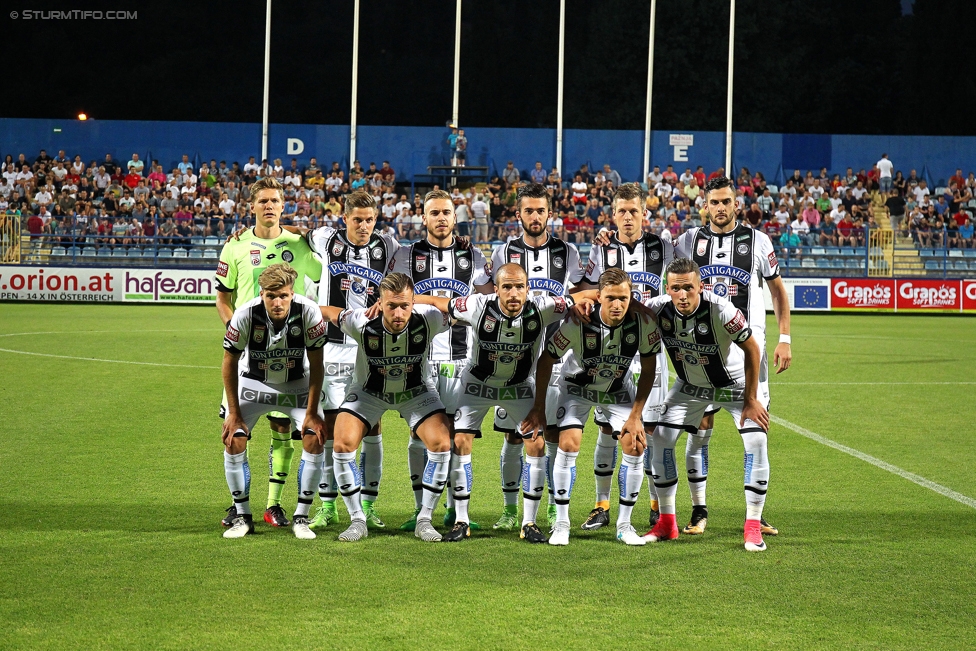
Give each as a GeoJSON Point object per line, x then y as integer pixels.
{"type": "Point", "coordinates": [717, 361]}
{"type": "Point", "coordinates": [597, 375]}
{"type": "Point", "coordinates": [282, 335]}
{"type": "Point", "coordinates": [389, 374]}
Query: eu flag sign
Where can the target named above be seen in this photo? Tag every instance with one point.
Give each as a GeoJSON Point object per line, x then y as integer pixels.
{"type": "Point", "coordinates": [810, 296]}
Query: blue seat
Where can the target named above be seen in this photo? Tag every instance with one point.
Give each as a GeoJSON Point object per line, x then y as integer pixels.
{"type": "Point", "coordinates": [104, 253]}
{"type": "Point", "coordinates": [960, 265]}
{"type": "Point", "coordinates": [833, 250]}
{"type": "Point", "coordinates": [824, 263]}
{"type": "Point", "coordinates": [196, 254]}
{"type": "Point", "coordinates": [58, 251]}
{"type": "Point", "coordinates": [179, 253]}
{"type": "Point", "coordinates": [164, 253]}
{"type": "Point", "coordinates": [932, 265]}
{"type": "Point", "coordinates": [134, 253]}
{"type": "Point", "coordinates": [969, 253]}
{"type": "Point", "coordinates": [854, 264]}
{"type": "Point", "coordinates": [210, 254]}
{"type": "Point", "coordinates": [118, 253]}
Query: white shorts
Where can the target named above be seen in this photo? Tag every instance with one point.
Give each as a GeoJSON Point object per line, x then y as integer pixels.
{"type": "Point", "coordinates": [687, 403]}
{"type": "Point", "coordinates": [575, 404]}
{"type": "Point", "coordinates": [512, 405]}
{"type": "Point", "coordinates": [553, 396]}
{"type": "Point", "coordinates": [340, 363]}
{"type": "Point", "coordinates": [657, 396]}
{"type": "Point", "coordinates": [449, 385]}
{"type": "Point", "coordinates": [763, 392]}
{"type": "Point", "coordinates": [414, 406]}
{"type": "Point", "coordinates": [257, 398]}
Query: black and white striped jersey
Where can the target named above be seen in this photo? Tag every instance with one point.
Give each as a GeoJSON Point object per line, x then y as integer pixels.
{"type": "Point", "coordinates": [702, 345]}
{"type": "Point", "coordinates": [551, 268]}
{"type": "Point", "coordinates": [449, 272]}
{"type": "Point", "coordinates": [275, 356]}
{"type": "Point", "coordinates": [351, 275]}
{"type": "Point", "coordinates": [391, 364]}
{"type": "Point", "coordinates": [733, 266]}
{"type": "Point", "coordinates": [644, 261]}
{"type": "Point", "coordinates": [602, 354]}
{"type": "Point", "coordinates": [505, 349]}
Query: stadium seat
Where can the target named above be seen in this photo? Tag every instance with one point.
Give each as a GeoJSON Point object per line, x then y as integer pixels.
{"type": "Point", "coordinates": [211, 241]}
{"type": "Point", "coordinates": [851, 263]}
{"type": "Point", "coordinates": [969, 253]}
{"type": "Point", "coordinates": [164, 253]}
{"type": "Point", "coordinates": [848, 251]}
{"type": "Point", "coordinates": [824, 263]}
{"type": "Point", "coordinates": [196, 239]}
{"type": "Point", "coordinates": [210, 254]}
{"type": "Point", "coordinates": [773, 189]}
{"type": "Point", "coordinates": [955, 253]}
{"type": "Point", "coordinates": [118, 253]}
{"type": "Point", "coordinates": [104, 253]}
{"type": "Point", "coordinates": [196, 254]}
{"type": "Point", "coordinates": [932, 265]}
{"type": "Point", "coordinates": [179, 253]}
{"type": "Point", "coordinates": [808, 263]}
{"type": "Point", "coordinates": [134, 252]}
{"type": "Point", "coordinates": [833, 250]}
{"type": "Point", "coordinates": [58, 251]}
{"type": "Point", "coordinates": [960, 265]}
{"type": "Point", "coordinates": [818, 250]}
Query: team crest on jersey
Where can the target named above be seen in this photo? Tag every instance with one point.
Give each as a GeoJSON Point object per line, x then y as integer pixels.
{"type": "Point", "coordinates": [531, 325]}
{"type": "Point", "coordinates": [287, 256]}
{"type": "Point", "coordinates": [591, 340]}
{"type": "Point", "coordinates": [377, 253]}
{"type": "Point", "coordinates": [420, 263]}
{"type": "Point", "coordinates": [611, 257]}
{"type": "Point", "coordinates": [463, 263]}
{"type": "Point", "coordinates": [721, 289]}
{"type": "Point", "coordinates": [702, 328]}
{"type": "Point", "coordinates": [490, 324]}
{"type": "Point", "coordinates": [418, 338]}
{"type": "Point", "coordinates": [742, 249]}
{"type": "Point", "coordinates": [557, 263]}
{"type": "Point", "coordinates": [259, 334]}
{"type": "Point", "coordinates": [338, 248]}
{"type": "Point", "coordinates": [515, 258]}
{"type": "Point", "coordinates": [295, 331]}
{"type": "Point", "coordinates": [373, 343]}
{"type": "Point", "coordinates": [655, 255]}
{"type": "Point", "coordinates": [666, 324]}
{"type": "Point", "coordinates": [702, 247]}
{"type": "Point", "coordinates": [255, 257]}
{"type": "Point", "coordinates": [631, 338]}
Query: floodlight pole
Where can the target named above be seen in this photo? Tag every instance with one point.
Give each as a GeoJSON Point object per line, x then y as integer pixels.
{"type": "Point", "coordinates": [728, 105]}
{"type": "Point", "coordinates": [457, 63]}
{"type": "Point", "coordinates": [650, 85]}
{"type": "Point", "coordinates": [559, 98]}
{"type": "Point", "coordinates": [267, 83]}
{"type": "Point", "coordinates": [355, 82]}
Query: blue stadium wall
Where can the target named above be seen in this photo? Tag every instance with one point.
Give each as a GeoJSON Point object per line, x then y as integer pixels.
{"type": "Point", "coordinates": [411, 149]}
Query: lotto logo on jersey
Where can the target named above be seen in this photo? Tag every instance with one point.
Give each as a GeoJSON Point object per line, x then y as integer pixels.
{"type": "Point", "coordinates": [232, 334]}
{"type": "Point", "coordinates": [560, 305]}
{"type": "Point", "coordinates": [736, 324]}
{"type": "Point", "coordinates": [222, 269]}
{"type": "Point", "coordinates": [317, 330]}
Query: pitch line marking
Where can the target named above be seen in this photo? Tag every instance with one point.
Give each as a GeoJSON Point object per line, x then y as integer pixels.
{"type": "Point", "coordinates": [886, 384]}
{"type": "Point", "coordinates": [83, 332]}
{"type": "Point", "coordinates": [107, 361]}
{"type": "Point", "coordinates": [874, 461]}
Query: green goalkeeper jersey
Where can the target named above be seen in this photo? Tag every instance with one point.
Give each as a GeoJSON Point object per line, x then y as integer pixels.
{"type": "Point", "coordinates": [243, 260]}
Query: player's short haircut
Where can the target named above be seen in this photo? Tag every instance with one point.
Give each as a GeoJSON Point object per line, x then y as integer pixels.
{"type": "Point", "coordinates": [532, 191]}
{"type": "Point", "coordinates": [436, 194]}
{"type": "Point", "coordinates": [719, 183]}
{"type": "Point", "coordinates": [396, 282]}
{"type": "Point", "coordinates": [629, 192]}
{"type": "Point", "coordinates": [267, 183]}
{"type": "Point", "coordinates": [614, 276]}
{"type": "Point", "coordinates": [511, 267]}
{"type": "Point", "coordinates": [684, 266]}
{"type": "Point", "coordinates": [359, 199]}
{"type": "Point", "coordinates": [277, 276]}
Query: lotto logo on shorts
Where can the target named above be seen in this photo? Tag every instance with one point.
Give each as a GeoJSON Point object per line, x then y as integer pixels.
{"type": "Point", "coordinates": [222, 269]}
{"type": "Point", "coordinates": [276, 399]}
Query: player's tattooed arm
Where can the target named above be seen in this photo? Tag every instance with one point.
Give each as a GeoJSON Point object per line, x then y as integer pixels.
{"type": "Point", "coordinates": [752, 409]}
{"type": "Point", "coordinates": [233, 421]}
{"type": "Point", "coordinates": [783, 356]}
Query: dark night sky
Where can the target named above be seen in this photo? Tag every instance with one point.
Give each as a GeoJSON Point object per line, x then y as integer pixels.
{"type": "Point", "coordinates": [801, 65]}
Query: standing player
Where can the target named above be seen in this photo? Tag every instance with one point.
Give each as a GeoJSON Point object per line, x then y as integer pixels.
{"type": "Point", "coordinates": [281, 335]}
{"type": "Point", "coordinates": [735, 261]}
{"type": "Point", "coordinates": [391, 364]}
{"type": "Point", "coordinates": [717, 360]}
{"type": "Point", "coordinates": [551, 266]}
{"type": "Point", "coordinates": [643, 256]}
{"type": "Point", "coordinates": [356, 260]}
{"type": "Point", "coordinates": [597, 374]}
{"type": "Point", "coordinates": [242, 261]}
{"type": "Point", "coordinates": [508, 329]}
{"type": "Point", "coordinates": [441, 266]}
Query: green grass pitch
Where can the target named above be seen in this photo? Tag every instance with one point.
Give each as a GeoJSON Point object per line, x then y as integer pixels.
{"type": "Point", "coordinates": [111, 489]}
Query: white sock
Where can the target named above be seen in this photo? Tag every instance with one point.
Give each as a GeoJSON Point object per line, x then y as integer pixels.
{"type": "Point", "coordinates": [328, 489]}
{"type": "Point", "coordinates": [551, 450]}
{"type": "Point", "coordinates": [629, 480]}
{"type": "Point", "coordinates": [696, 461]}
{"type": "Point", "coordinates": [604, 461]}
{"type": "Point", "coordinates": [435, 476]}
{"type": "Point", "coordinates": [533, 485]}
{"type": "Point", "coordinates": [756, 466]}
{"type": "Point", "coordinates": [648, 453]}
{"type": "Point", "coordinates": [511, 471]}
{"type": "Point", "coordinates": [371, 466]}
{"type": "Point", "coordinates": [664, 469]}
{"type": "Point", "coordinates": [416, 460]}
{"type": "Point", "coordinates": [347, 477]}
{"type": "Point", "coordinates": [238, 474]}
{"type": "Point", "coordinates": [563, 478]}
{"type": "Point", "coordinates": [461, 479]}
{"type": "Point", "coordinates": [309, 477]}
